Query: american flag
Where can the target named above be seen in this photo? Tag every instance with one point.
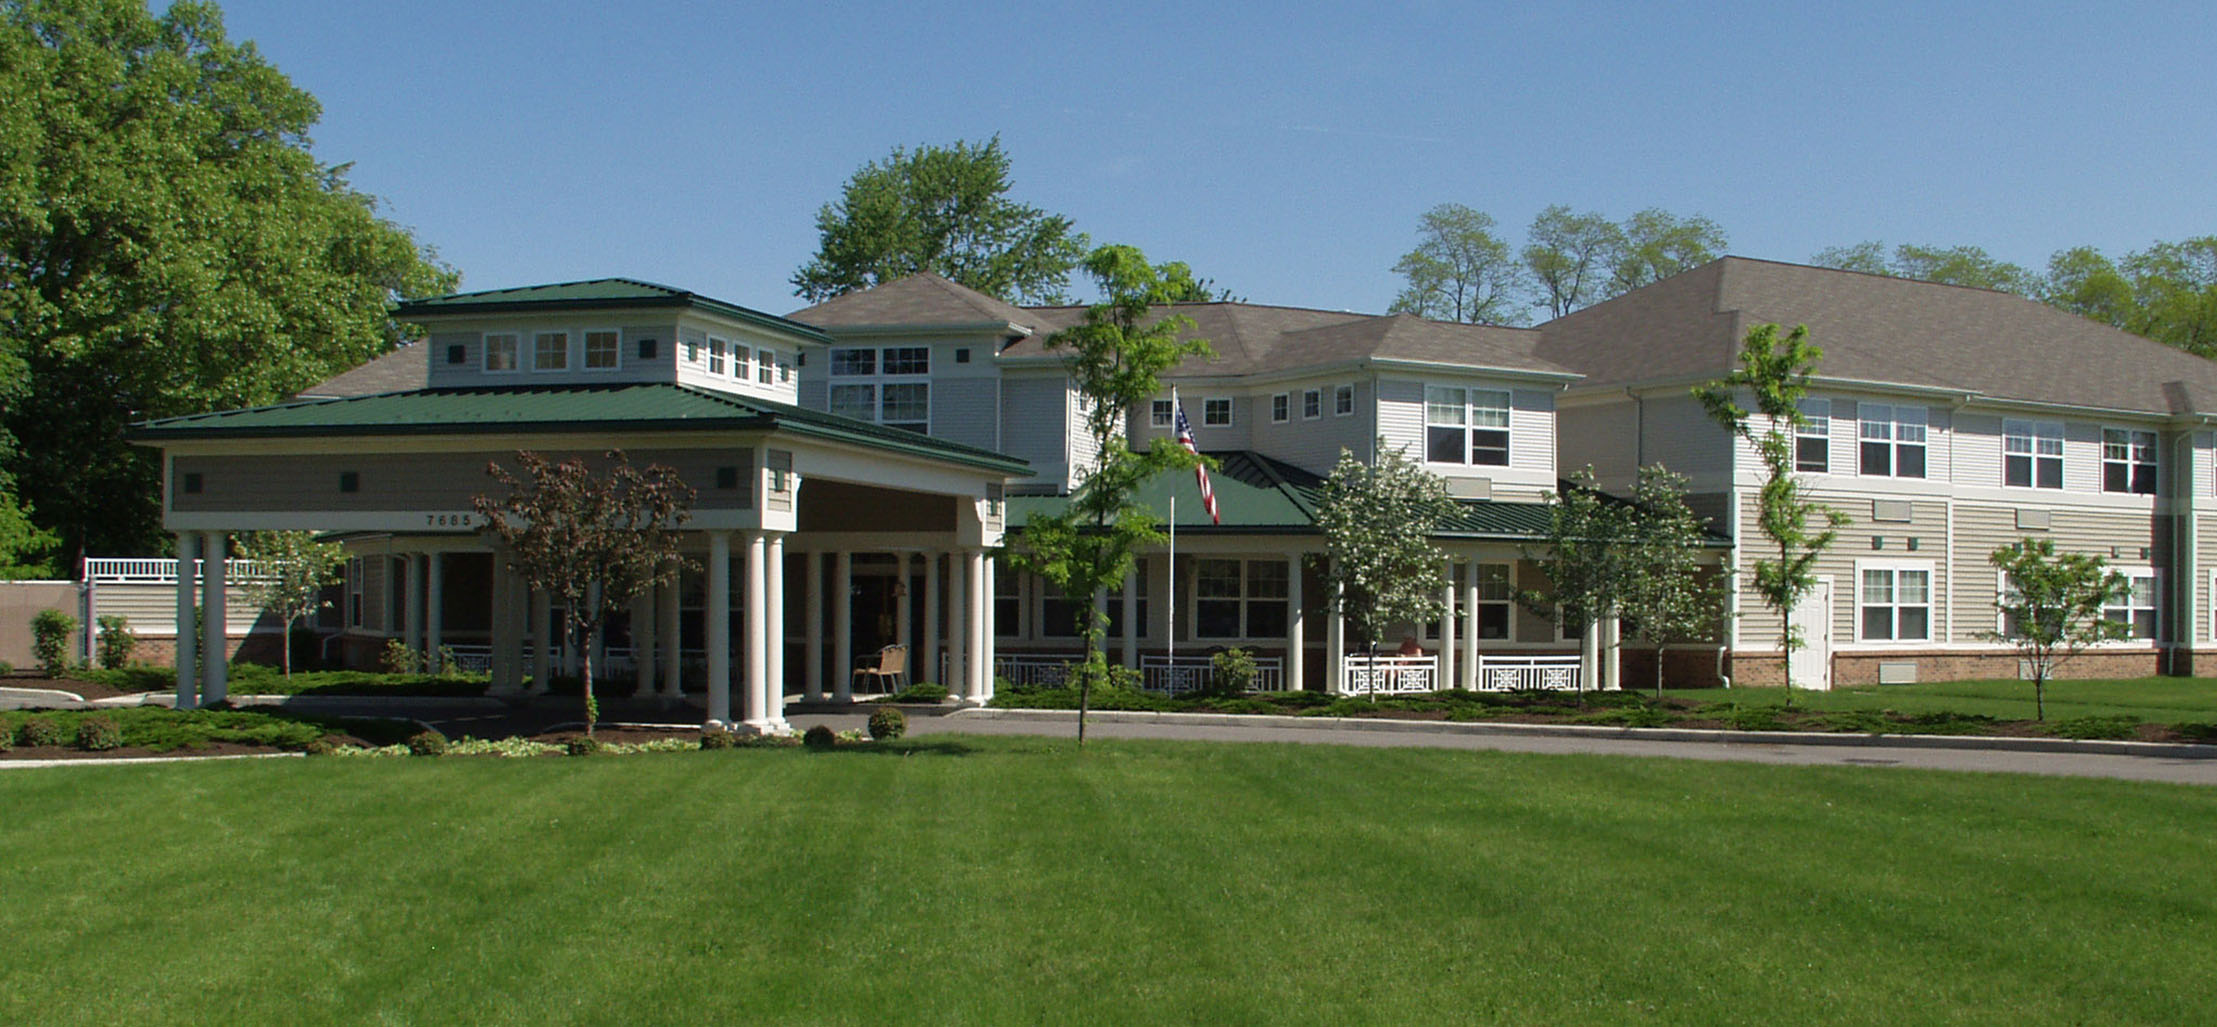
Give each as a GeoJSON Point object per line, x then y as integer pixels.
{"type": "Point", "coordinates": [1200, 473]}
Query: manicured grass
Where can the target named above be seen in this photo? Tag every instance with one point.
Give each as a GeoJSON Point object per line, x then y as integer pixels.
{"type": "Point", "coordinates": [961, 880]}
{"type": "Point", "coordinates": [2155, 700]}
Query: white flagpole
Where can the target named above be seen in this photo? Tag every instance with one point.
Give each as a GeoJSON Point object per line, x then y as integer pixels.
{"type": "Point", "coordinates": [1170, 635]}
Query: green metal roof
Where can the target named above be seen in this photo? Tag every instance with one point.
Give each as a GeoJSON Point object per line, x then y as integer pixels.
{"type": "Point", "coordinates": [597, 294]}
{"type": "Point", "coordinates": [650, 406]}
{"type": "Point", "coordinates": [1260, 496]}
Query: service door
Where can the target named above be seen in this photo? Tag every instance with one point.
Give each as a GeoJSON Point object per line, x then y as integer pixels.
{"type": "Point", "coordinates": [1811, 666]}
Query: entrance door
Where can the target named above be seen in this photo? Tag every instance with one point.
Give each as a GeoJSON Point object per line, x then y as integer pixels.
{"type": "Point", "coordinates": [1811, 666]}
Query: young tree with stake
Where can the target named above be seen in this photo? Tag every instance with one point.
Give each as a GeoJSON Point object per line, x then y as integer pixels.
{"type": "Point", "coordinates": [295, 569]}
{"type": "Point", "coordinates": [2052, 607]}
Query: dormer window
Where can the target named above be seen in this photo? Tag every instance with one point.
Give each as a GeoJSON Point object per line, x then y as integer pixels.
{"type": "Point", "coordinates": [550, 351]}
{"type": "Point", "coordinates": [742, 362]}
{"type": "Point", "coordinates": [716, 351]}
{"type": "Point", "coordinates": [1466, 426]}
{"type": "Point", "coordinates": [500, 352]}
{"type": "Point", "coordinates": [1343, 400]}
{"type": "Point", "coordinates": [600, 350]}
{"type": "Point", "coordinates": [766, 366]}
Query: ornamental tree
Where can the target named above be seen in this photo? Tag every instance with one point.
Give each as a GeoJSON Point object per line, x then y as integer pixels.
{"type": "Point", "coordinates": [295, 569]}
{"type": "Point", "coordinates": [591, 540]}
{"type": "Point", "coordinates": [1666, 594]}
{"type": "Point", "coordinates": [1378, 521]}
{"type": "Point", "coordinates": [1588, 555]}
{"type": "Point", "coordinates": [2052, 607]}
{"type": "Point", "coordinates": [1775, 371]}
{"type": "Point", "coordinates": [1116, 358]}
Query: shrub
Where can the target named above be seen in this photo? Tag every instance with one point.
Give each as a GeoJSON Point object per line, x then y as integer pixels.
{"type": "Point", "coordinates": [319, 747]}
{"type": "Point", "coordinates": [98, 734]}
{"type": "Point", "coordinates": [584, 745]}
{"type": "Point", "coordinates": [717, 738]}
{"type": "Point", "coordinates": [1753, 718]}
{"type": "Point", "coordinates": [2192, 731]}
{"type": "Point", "coordinates": [50, 631]}
{"type": "Point", "coordinates": [37, 732]}
{"type": "Point", "coordinates": [888, 723]}
{"type": "Point", "coordinates": [2123, 726]}
{"type": "Point", "coordinates": [116, 642]}
{"type": "Point", "coordinates": [819, 738]}
{"type": "Point", "coordinates": [920, 692]}
{"type": "Point", "coordinates": [427, 743]}
{"type": "Point", "coordinates": [399, 659]}
{"type": "Point", "coordinates": [7, 739]}
{"type": "Point", "coordinates": [6, 668]}
{"type": "Point", "coordinates": [1232, 672]}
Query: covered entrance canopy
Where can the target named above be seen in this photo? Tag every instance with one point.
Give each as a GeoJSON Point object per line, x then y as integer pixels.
{"type": "Point", "coordinates": [770, 477]}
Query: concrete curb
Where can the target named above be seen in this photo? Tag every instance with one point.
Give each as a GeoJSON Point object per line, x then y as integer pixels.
{"type": "Point", "coordinates": [2171, 750]}
{"type": "Point", "coordinates": [132, 761]}
{"type": "Point", "coordinates": [40, 695]}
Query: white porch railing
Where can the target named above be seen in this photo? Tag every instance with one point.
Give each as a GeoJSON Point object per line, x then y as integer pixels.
{"type": "Point", "coordinates": [1516, 673]}
{"type": "Point", "coordinates": [1175, 675]}
{"type": "Point", "coordinates": [1026, 670]}
{"type": "Point", "coordinates": [1389, 675]}
{"type": "Point", "coordinates": [1402, 675]}
{"type": "Point", "coordinates": [111, 570]}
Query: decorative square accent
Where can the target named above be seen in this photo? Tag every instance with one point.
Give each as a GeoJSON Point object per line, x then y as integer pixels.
{"type": "Point", "coordinates": [350, 481]}
{"type": "Point", "coordinates": [727, 477]}
{"type": "Point", "coordinates": [457, 354]}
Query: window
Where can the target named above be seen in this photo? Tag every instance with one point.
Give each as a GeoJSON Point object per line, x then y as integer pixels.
{"type": "Point", "coordinates": [1216, 413]}
{"type": "Point", "coordinates": [457, 354]}
{"type": "Point", "coordinates": [2032, 454]}
{"type": "Point", "coordinates": [1895, 604]}
{"type": "Point", "coordinates": [600, 350]}
{"type": "Point", "coordinates": [1008, 603]}
{"type": "Point", "coordinates": [692, 351]}
{"type": "Point", "coordinates": [646, 349]}
{"type": "Point", "coordinates": [354, 592]}
{"type": "Point", "coordinates": [1240, 599]}
{"type": "Point", "coordinates": [766, 366]}
{"type": "Point", "coordinates": [550, 351]}
{"type": "Point", "coordinates": [895, 404]}
{"type": "Point", "coordinates": [1158, 414]}
{"type": "Point", "coordinates": [742, 360]}
{"type": "Point", "coordinates": [716, 348]}
{"type": "Point", "coordinates": [908, 360]}
{"type": "Point", "coordinates": [2136, 607]}
{"type": "Point", "coordinates": [857, 401]}
{"type": "Point", "coordinates": [192, 481]}
{"type": "Point", "coordinates": [1893, 440]}
{"type": "Point", "coordinates": [1466, 426]}
{"type": "Point", "coordinates": [1280, 404]}
{"type": "Point", "coordinates": [1493, 601]}
{"type": "Point", "coordinates": [905, 406]}
{"type": "Point", "coordinates": [500, 352]}
{"type": "Point", "coordinates": [350, 481]}
{"type": "Point", "coordinates": [1312, 404]}
{"type": "Point", "coordinates": [846, 362]}
{"type": "Point", "coordinates": [2128, 461]}
{"type": "Point", "coordinates": [1116, 604]}
{"type": "Point", "coordinates": [1343, 400]}
{"type": "Point", "coordinates": [1062, 616]}
{"type": "Point", "coordinates": [1813, 439]}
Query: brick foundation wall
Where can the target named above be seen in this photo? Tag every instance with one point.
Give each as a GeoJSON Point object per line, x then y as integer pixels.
{"type": "Point", "coordinates": [161, 650]}
{"type": "Point", "coordinates": [1853, 669]}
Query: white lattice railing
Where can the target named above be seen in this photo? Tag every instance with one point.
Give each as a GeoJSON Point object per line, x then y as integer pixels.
{"type": "Point", "coordinates": [1173, 675]}
{"type": "Point", "coordinates": [1402, 675]}
{"type": "Point", "coordinates": [1389, 675]}
{"type": "Point", "coordinates": [1516, 673]}
{"type": "Point", "coordinates": [111, 570]}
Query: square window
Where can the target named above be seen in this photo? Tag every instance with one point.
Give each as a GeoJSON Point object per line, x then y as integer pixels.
{"type": "Point", "coordinates": [727, 477]}
{"type": "Point", "coordinates": [1216, 413]}
{"type": "Point", "coordinates": [550, 351]}
{"type": "Point", "coordinates": [1159, 414]}
{"type": "Point", "coordinates": [192, 481]}
{"type": "Point", "coordinates": [350, 481]}
{"type": "Point", "coordinates": [457, 354]}
{"type": "Point", "coordinates": [857, 401]}
{"type": "Point", "coordinates": [2128, 461]}
{"type": "Point", "coordinates": [500, 352]}
{"type": "Point", "coordinates": [600, 350]}
{"type": "Point", "coordinates": [646, 349]}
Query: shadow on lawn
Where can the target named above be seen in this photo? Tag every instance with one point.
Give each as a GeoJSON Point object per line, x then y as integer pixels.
{"type": "Point", "coordinates": [903, 747]}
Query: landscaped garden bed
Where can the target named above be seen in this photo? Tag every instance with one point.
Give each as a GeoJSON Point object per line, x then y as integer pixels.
{"type": "Point", "coordinates": [140, 731]}
{"type": "Point", "coordinates": [1863, 711]}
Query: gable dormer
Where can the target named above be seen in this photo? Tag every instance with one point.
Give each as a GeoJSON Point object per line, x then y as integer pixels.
{"type": "Point", "coordinates": [609, 331]}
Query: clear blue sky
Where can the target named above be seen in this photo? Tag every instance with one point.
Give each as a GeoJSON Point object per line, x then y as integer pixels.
{"type": "Point", "coordinates": [1285, 152]}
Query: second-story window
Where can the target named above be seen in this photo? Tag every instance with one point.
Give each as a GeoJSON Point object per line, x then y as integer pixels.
{"type": "Point", "coordinates": [1158, 414]}
{"type": "Point", "coordinates": [600, 350]}
{"type": "Point", "coordinates": [500, 352]}
{"type": "Point", "coordinates": [1813, 439]}
{"type": "Point", "coordinates": [1893, 440]}
{"type": "Point", "coordinates": [890, 385]}
{"type": "Point", "coordinates": [2032, 454]}
{"type": "Point", "coordinates": [1466, 426]}
{"type": "Point", "coordinates": [1216, 413]}
{"type": "Point", "coordinates": [716, 351]}
{"type": "Point", "coordinates": [1279, 405]}
{"type": "Point", "coordinates": [742, 362]}
{"type": "Point", "coordinates": [2128, 461]}
{"type": "Point", "coordinates": [550, 351]}
{"type": "Point", "coordinates": [1343, 400]}
{"type": "Point", "coordinates": [766, 365]}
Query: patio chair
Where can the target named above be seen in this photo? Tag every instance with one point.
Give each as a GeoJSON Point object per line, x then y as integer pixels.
{"type": "Point", "coordinates": [889, 668]}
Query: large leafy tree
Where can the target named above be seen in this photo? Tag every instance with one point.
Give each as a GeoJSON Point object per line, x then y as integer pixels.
{"type": "Point", "coordinates": [1116, 357]}
{"type": "Point", "coordinates": [168, 244]}
{"type": "Point", "coordinates": [2052, 607]}
{"type": "Point", "coordinates": [1461, 271]}
{"type": "Point", "coordinates": [592, 540]}
{"type": "Point", "coordinates": [1774, 371]}
{"type": "Point", "coordinates": [1572, 256]}
{"type": "Point", "coordinates": [1659, 244]}
{"type": "Point", "coordinates": [945, 210]}
{"type": "Point", "coordinates": [1378, 520]}
{"type": "Point", "coordinates": [1948, 265]}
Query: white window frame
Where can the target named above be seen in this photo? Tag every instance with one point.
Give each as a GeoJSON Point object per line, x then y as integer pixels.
{"type": "Point", "coordinates": [767, 362]}
{"type": "Point", "coordinates": [1895, 568]}
{"type": "Point", "coordinates": [2127, 612]}
{"type": "Point", "coordinates": [541, 335]}
{"type": "Point", "coordinates": [1466, 400]}
{"type": "Point", "coordinates": [2131, 460]}
{"type": "Point", "coordinates": [1817, 427]}
{"type": "Point", "coordinates": [1160, 413]}
{"type": "Point", "coordinates": [878, 381]}
{"type": "Point", "coordinates": [1343, 401]}
{"type": "Point", "coordinates": [1210, 405]}
{"type": "Point", "coordinates": [718, 350]}
{"type": "Point", "coordinates": [742, 361]}
{"type": "Point", "coordinates": [1895, 437]}
{"type": "Point", "coordinates": [1312, 404]}
{"type": "Point", "coordinates": [1246, 599]}
{"type": "Point", "coordinates": [514, 350]}
{"type": "Point", "coordinates": [1281, 407]}
{"type": "Point", "coordinates": [2031, 441]}
{"type": "Point", "coordinates": [616, 353]}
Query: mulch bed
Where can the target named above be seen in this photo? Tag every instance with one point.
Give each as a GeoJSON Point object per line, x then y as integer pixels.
{"type": "Point", "coordinates": [65, 752]}
{"type": "Point", "coordinates": [88, 689]}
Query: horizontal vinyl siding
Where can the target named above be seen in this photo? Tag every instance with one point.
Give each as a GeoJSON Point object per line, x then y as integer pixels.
{"type": "Point", "coordinates": [966, 410]}
{"type": "Point", "coordinates": [152, 609]}
{"type": "Point", "coordinates": [1678, 433]}
{"type": "Point", "coordinates": [1531, 431]}
{"type": "Point", "coordinates": [437, 482]}
{"type": "Point", "coordinates": [1401, 416]}
{"type": "Point", "coordinates": [1603, 436]}
{"type": "Point", "coordinates": [1033, 412]}
{"type": "Point", "coordinates": [1927, 523]}
{"type": "Point", "coordinates": [1977, 448]}
{"type": "Point", "coordinates": [1313, 444]}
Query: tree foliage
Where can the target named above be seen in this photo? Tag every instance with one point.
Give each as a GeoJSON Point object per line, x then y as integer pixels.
{"type": "Point", "coordinates": [1572, 256]}
{"type": "Point", "coordinates": [1775, 371]}
{"type": "Point", "coordinates": [2052, 607]}
{"type": "Point", "coordinates": [1586, 556]}
{"type": "Point", "coordinates": [1461, 271]}
{"type": "Point", "coordinates": [295, 569]}
{"type": "Point", "coordinates": [1947, 265]}
{"type": "Point", "coordinates": [944, 210]}
{"type": "Point", "coordinates": [592, 541]}
{"type": "Point", "coordinates": [1658, 244]}
{"type": "Point", "coordinates": [1667, 595]}
{"type": "Point", "coordinates": [1378, 519]}
{"type": "Point", "coordinates": [168, 245]}
{"type": "Point", "coordinates": [1115, 358]}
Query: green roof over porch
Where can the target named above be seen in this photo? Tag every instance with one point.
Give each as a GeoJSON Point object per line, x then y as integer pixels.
{"type": "Point", "coordinates": [653, 406]}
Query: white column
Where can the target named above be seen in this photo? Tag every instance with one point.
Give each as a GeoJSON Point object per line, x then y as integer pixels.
{"type": "Point", "coordinates": [812, 588]}
{"type": "Point", "coordinates": [904, 622]}
{"type": "Point", "coordinates": [542, 642]}
{"type": "Point", "coordinates": [1297, 613]}
{"type": "Point", "coordinates": [719, 627]}
{"type": "Point", "coordinates": [642, 642]}
{"type": "Point", "coordinates": [1589, 655]}
{"type": "Point", "coordinates": [988, 630]}
{"type": "Point", "coordinates": [411, 603]}
{"type": "Point", "coordinates": [1470, 624]}
{"type": "Point", "coordinates": [773, 605]}
{"type": "Point", "coordinates": [1131, 618]}
{"type": "Point", "coordinates": [842, 627]}
{"type": "Point", "coordinates": [215, 642]}
{"type": "Point", "coordinates": [980, 645]}
{"type": "Point", "coordinates": [757, 613]}
{"type": "Point", "coordinates": [188, 640]}
{"type": "Point", "coordinates": [1612, 641]}
{"type": "Point", "coordinates": [1335, 646]}
{"type": "Point", "coordinates": [958, 638]}
{"type": "Point", "coordinates": [1448, 678]}
{"type": "Point", "coordinates": [672, 636]}
{"type": "Point", "coordinates": [927, 667]}
{"type": "Point", "coordinates": [434, 628]}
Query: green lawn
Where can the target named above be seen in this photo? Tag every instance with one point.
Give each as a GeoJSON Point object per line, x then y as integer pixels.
{"type": "Point", "coordinates": [2155, 700]}
{"type": "Point", "coordinates": [1017, 881]}
{"type": "Point", "coordinates": [258, 679]}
